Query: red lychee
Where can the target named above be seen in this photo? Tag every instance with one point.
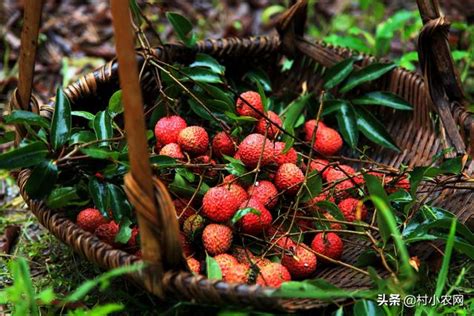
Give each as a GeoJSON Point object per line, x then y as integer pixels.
{"type": "Point", "coordinates": [273, 274]}
{"type": "Point", "coordinates": [321, 165]}
{"type": "Point", "coordinates": [90, 218]}
{"type": "Point", "coordinates": [226, 263]}
{"type": "Point", "coordinates": [252, 98]}
{"type": "Point", "coordinates": [328, 244]}
{"type": "Point", "coordinates": [172, 150]}
{"type": "Point", "coordinates": [265, 192]}
{"type": "Point", "coordinates": [194, 265]}
{"type": "Point", "coordinates": [328, 141]}
{"type": "Point", "coordinates": [238, 274]}
{"type": "Point", "coordinates": [342, 172]}
{"type": "Point", "coordinates": [167, 129]}
{"type": "Point", "coordinates": [186, 245]}
{"type": "Point", "coordinates": [263, 125]}
{"type": "Point", "coordinates": [280, 158]}
{"type": "Point", "coordinates": [254, 224]}
{"type": "Point", "coordinates": [256, 147]}
{"type": "Point", "coordinates": [217, 238]}
{"type": "Point", "coordinates": [321, 197]}
{"type": "Point", "coordinates": [301, 264]}
{"type": "Point", "coordinates": [289, 178]}
{"type": "Point", "coordinates": [223, 144]}
{"type": "Point", "coordinates": [220, 203]}
{"type": "Point", "coordinates": [194, 140]}
{"type": "Point", "coordinates": [353, 209]}
{"type": "Point", "coordinates": [108, 232]}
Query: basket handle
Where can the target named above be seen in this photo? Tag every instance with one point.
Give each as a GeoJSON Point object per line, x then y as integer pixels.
{"type": "Point", "coordinates": [159, 230]}
{"type": "Point", "coordinates": [438, 68]}
{"type": "Point", "coordinates": [22, 97]}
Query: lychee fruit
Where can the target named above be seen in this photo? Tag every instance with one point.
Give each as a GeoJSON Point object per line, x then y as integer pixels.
{"type": "Point", "coordinates": [289, 178]}
{"type": "Point", "coordinates": [220, 203]}
{"type": "Point", "coordinates": [328, 141]}
{"type": "Point", "coordinates": [309, 127]}
{"type": "Point", "coordinates": [254, 224]}
{"type": "Point", "coordinates": [217, 238]}
{"type": "Point", "coordinates": [186, 245]}
{"type": "Point", "coordinates": [255, 101]}
{"type": "Point", "coordinates": [172, 150]}
{"type": "Point", "coordinates": [342, 172]}
{"type": "Point", "coordinates": [280, 157]}
{"type": "Point", "coordinates": [265, 192]}
{"type": "Point", "coordinates": [330, 218]}
{"type": "Point", "coordinates": [194, 140]}
{"type": "Point", "coordinates": [194, 265]}
{"type": "Point", "coordinates": [90, 218]}
{"type": "Point", "coordinates": [238, 274]}
{"type": "Point", "coordinates": [183, 211]}
{"type": "Point", "coordinates": [353, 209]}
{"type": "Point", "coordinates": [226, 263]}
{"type": "Point", "coordinates": [301, 263]}
{"type": "Point", "coordinates": [273, 275]}
{"type": "Point", "coordinates": [168, 128]}
{"type": "Point", "coordinates": [321, 165]}
{"type": "Point", "coordinates": [207, 170]}
{"type": "Point", "coordinates": [107, 233]}
{"type": "Point", "coordinates": [223, 144]}
{"type": "Point", "coordinates": [132, 242]}
{"type": "Point", "coordinates": [193, 225]}
{"type": "Point", "coordinates": [321, 197]}
{"type": "Point", "coordinates": [328, 244]}
{"type": "Point", "coordinates": [263, 125]}
{"type": "Point", "coordinates": [255, 148]}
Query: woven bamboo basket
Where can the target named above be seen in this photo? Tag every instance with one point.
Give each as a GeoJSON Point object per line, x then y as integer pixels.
{"type": "Point", "coordinates": [167, 274]}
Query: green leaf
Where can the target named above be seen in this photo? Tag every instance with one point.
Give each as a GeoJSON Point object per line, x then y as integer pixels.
{"type": "Point", "coordinates": [125, 232]}
{"type": "Point", "coordinates": [117, 202]}
{"type": "Point", "coordinates": [103, 127]}
{"type": "Point", "coordinates": [387, 99]}
{"type": "Point", "coordinates": [199, 110]}
{"type": "Point", "coordinates": [351, 42]}
{"type": "Point", "coordinates": [84, 114]}
{"type": "Point", "coordinates": [337, 73]}
{"type": "Point", "coordinates": [316, 289]}
{"type": "Point", "coordinates": [241, 213]}
{"type": "Point", "coordinates": [443, 272]}
{"type": "Point", "coordinates": [115, 103]}
{"type": "Point", "coordinates": [204, 60]}
{"type": "Point", "coordinates": [261, 77]}
{"type": "Point", "coordinates": [82, 137]}
{"type": "Point", "coordinates": [332, 209]}
{"type": "Point", "coordinates": [367, 308]}
{"type": "Point", "coordinates": [61, 122]}
{"type": "Point", "coordinates": [163, 161]}
{"type": "Point", "coordinates": [374, 130]}
{"type": "Point", "coordinates": [201, 75]}
{"type": "Point", "coordinates": [271, 11]}
{"type": "Point", "coordinates": [182, 27]}
{"type": "Point", "coordinates": [369, 73]}
{"type": "Point", "coordinates": [237, 118]}
{"type": "Point", "coordinates": [7, 137]}
{"type": "Point", "coordinates": [42, 179]}
{"type": "Point", "coordinates": [61, 197]}
{"type": "Point", "coordinates": [100, 153]}
{"type": "Point", "coordinates": [293, 112]}
{"type": "Point", "coordinates": [376, 189]}
{"type": "Point", "coordinates": [213, 270]}
{"type": "Point", "coordinates": [218, 94]}
{"type": "Point", "coordinates": [347, 121]}
{"type": "Point", "coordinates": [98, 193]}
{"type": "Point", "coordinates": [24, 157]}
{"type": "Point", "coordinates": [26, 117]}
{"type": "Point", "coordinates": [314, 185]}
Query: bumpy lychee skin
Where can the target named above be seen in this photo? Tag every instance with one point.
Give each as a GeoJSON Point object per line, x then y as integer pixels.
{"type": "Point", "coordinates": [250, 150]}
{"type": "Point", "coordinates": [132, 245]}
{"type": "Point", "coordinates": [328, 141]}
{"type": "Point", "coordinates": [194, 140]}
{"type": "Point", "coordinates": [223, 144]}
{"type": "Point", "coordinates": [108, 232]}
{"type": "Point", "coordinates": [301, 264]}
{"type": "Point", "coordinates": [315, 200]}
{"type": "Point", "coordinates": [273, 275]}
{"type": "Point", "coordinates": [255, 224]}
{"type": "Point", "coordinates": [186, 245]}
{"type": "Point", "coordinates": [238, 191]}
{"type": "Point", "coordinates": [253, 98]}
{"type": "Point", "coordinates": [328, 244]}
{"type": "Point", "coordinates": [193, 225]}
{"type": "Point", "coordinates": [238, 274]}
{"type": "Point", "coordinates": [217, 238]}
{"type": "Point", "coordinates": [349, 207]}
{"type": "Point", "coordinates": [344, 172]}
{"type": "Point", "coordinates": [280, 157]}
{"type": "Point", "coordinates": [172, 150]}
{"type": "Point", "coordinates": [168, 128]}
{"type": "Point", "coordinates": [226, 262]}
{"type": "Point", "coordinates": [183, 211]}
{"type": "Point", "coordinates": [265, 192]}
{"type": "Point", "coordinates": [194, 265]}
{"type": "Point", "coordinates": [263, 125]}
{"type": "Point", "coordinates": [220, 203]}
{"type": "Point", "coordinates": [289, 178]}
{"type": "Point", "coordinates": [321, 165]}
{"type": "Point", "coordinates": [90, 218]}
